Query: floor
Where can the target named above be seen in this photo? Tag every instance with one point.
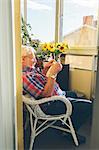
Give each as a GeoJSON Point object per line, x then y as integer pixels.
{"type": "Point", "coordinates": [52, 139]}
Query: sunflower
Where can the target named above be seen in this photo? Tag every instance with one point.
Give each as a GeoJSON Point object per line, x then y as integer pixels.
{"type": "Point", "coordinates": [44, 47]}
{"type": "Point", "coordinates": [54, 48]}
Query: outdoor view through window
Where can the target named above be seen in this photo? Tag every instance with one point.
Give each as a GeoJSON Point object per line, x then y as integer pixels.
{"type": "Point", "coordinates": [79, 22]}
{"type": "Point", "coordinates": [41, 16]}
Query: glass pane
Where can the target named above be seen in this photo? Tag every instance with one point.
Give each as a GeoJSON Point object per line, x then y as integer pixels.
{"type": "Point", "coordinates": [79, 22]}
{"type": "Point", "coordinates": [41, 16]}
{"type": "Point", "coordinates": [80, 32]}
{"type": "Point", "coordinates": [22, 8]}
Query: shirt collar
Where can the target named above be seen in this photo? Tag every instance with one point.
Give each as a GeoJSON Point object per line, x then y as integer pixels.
{"type": "Point", "coordinates": [25, 69]}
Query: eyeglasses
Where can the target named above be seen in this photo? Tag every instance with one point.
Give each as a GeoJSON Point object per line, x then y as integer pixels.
{"type": "Point", "coordinates": [28, 56]}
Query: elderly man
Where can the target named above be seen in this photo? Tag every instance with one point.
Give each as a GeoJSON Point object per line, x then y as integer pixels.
{"type": "Point", "coordinates": [43, 84]}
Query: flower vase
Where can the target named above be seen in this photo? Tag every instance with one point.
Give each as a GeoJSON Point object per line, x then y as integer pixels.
{"type": "Point", "coordinates": [56, 57]}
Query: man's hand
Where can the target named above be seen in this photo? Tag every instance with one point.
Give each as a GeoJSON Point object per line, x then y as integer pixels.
{"type": "Point", "coordinates": [54, 69]}
{"type": "Point", "coordinates": [49, 64]}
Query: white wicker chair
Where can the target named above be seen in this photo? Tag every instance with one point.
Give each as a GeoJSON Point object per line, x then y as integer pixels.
{"type": "Point", "coordinates": [36, 114]}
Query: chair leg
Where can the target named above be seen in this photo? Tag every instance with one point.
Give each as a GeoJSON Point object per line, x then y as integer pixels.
{"type": "Point", "coordinates": [32, 141]}
{"type": "Point", "coordinates": [33, 127]}
{"type": "Point", "coordinates": [73, 132]}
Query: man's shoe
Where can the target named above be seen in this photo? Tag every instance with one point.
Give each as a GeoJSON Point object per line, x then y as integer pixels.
{"type": "Point", "coordinates": [81, 139]}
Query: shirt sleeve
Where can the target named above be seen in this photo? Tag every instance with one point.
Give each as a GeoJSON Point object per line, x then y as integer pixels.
{"type": "Point", "coordinates": [33, 84]}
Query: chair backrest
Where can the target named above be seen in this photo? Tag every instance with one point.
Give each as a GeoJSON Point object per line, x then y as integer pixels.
{"type": "Point", "coordinates": [32, 107]}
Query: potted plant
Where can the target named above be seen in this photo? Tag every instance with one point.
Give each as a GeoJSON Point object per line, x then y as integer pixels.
{"type": "Point", "coordinates": [27, 36]}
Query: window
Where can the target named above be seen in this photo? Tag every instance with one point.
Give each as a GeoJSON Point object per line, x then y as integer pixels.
{"type": "Point", "coordinates": [79, 22]}
{"type": "Point", "coordinates": [41, 16]}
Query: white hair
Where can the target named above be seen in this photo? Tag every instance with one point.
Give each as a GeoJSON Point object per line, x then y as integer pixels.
{"type": "Point", "coordinates": [27, 50]}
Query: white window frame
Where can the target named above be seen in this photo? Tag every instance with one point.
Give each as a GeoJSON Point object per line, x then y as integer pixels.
{"type": "Point", "coordinates": [59, 21]}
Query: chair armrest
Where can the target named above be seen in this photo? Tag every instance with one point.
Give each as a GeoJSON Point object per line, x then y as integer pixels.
{"type": "Point", "coordinates": [32, 101]}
